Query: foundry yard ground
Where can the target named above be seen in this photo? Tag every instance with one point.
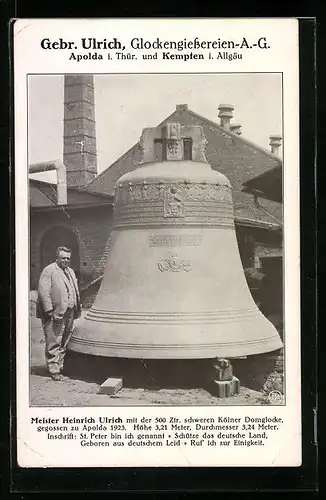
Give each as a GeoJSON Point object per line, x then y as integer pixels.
{"type": "Point", "coordinates": [73, 391]}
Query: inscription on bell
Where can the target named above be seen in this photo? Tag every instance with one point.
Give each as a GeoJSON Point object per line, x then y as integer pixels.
{"type": "Point", "coordinates": [173, 202]}
{"type": "Point", "coordinates": [175, 240]}
{"type": "Point", "coordinates": [174, 264]}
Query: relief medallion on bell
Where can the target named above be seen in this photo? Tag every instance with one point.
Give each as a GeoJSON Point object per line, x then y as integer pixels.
{"type": "Point", "coordinates": [174, 264]}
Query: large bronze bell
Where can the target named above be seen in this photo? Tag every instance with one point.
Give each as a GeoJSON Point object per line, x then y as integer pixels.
{"type": "Point", "coordinates": [174, 286]}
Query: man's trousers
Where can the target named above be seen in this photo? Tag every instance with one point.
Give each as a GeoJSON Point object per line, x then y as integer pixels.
{"type": "Point", "coordinates": [57, 334]}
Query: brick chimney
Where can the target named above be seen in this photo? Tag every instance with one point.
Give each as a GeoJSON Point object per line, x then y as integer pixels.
{"type": "Point", "coordinates": [226, 114]}
{"type": "Point", "coordinates": [181, 107]}
{"type": "Point", "coordinates": [235, 128]}
{"type": "Point", "coordinates": [275, 142]}
{"type": "Point", "coordinates": [79, 141]}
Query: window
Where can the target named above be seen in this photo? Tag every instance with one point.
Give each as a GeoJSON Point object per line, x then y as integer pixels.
{"type": "Point", "coordinates": [187, 149]}
{"type": "Point", "coordinates": [159, 151]}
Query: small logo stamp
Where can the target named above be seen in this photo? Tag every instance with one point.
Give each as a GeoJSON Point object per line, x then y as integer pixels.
{"type": "Point", "coordinates": [275, 397]}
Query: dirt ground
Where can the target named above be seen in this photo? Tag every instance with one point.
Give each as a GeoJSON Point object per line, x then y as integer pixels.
{"type": "Point", "coordinates": [73, 391]}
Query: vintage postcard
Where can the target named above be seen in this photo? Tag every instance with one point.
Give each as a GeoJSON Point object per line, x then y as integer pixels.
{"type": "Point", "coordinates": [157, 242]}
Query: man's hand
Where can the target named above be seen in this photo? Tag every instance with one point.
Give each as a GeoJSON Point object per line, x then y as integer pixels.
{"type": "Point", "coordinates": [49, 314]}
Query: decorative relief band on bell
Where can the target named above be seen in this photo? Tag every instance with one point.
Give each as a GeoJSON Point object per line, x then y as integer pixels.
{"type": "Point", "coordinates": [174, 264]}
{"type": "Point", "coordinates": [131, 216]}
{"type": "Point", "coordinates": [199, 191]}
{"type": "Point", "coordinates": [173, 204]}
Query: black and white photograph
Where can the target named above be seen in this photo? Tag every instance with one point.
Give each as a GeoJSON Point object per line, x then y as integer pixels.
{"type": "Point", "coordinates": [156, 263]}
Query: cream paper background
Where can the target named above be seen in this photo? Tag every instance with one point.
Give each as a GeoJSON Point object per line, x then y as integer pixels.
{"type": "Point", "coordinates": [284, 449]}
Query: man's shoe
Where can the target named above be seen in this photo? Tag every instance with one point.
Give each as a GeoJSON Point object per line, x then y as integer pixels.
{"type": "Point", "coordinates": [56, 376]}
{"type": "Point", "coordinates": [63, 375]}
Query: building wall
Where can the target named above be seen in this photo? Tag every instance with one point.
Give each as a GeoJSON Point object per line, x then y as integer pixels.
{"type": "Point", "coordinates": [265, 251]}
{"type": "Point", "coordinates": [91, 226]}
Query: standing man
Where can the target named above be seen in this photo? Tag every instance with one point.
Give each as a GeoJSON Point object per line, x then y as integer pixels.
{"type": "Point", "coordinates": [58, 306]}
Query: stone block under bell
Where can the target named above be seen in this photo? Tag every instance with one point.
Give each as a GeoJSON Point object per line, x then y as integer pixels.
{"type": "Point", "coordinates": [225, 388]}
{"type": "Point", "coordinates": [111, 386]}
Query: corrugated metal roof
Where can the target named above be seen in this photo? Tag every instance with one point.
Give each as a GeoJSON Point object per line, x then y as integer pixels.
{"type": "Point", "coordinates": [44, 194]}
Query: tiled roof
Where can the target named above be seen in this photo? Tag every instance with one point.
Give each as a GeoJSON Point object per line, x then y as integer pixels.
{"type": "Point", "coordinates": [39, 197]}
{"type": "Point", "coordinates": [229, 153]}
